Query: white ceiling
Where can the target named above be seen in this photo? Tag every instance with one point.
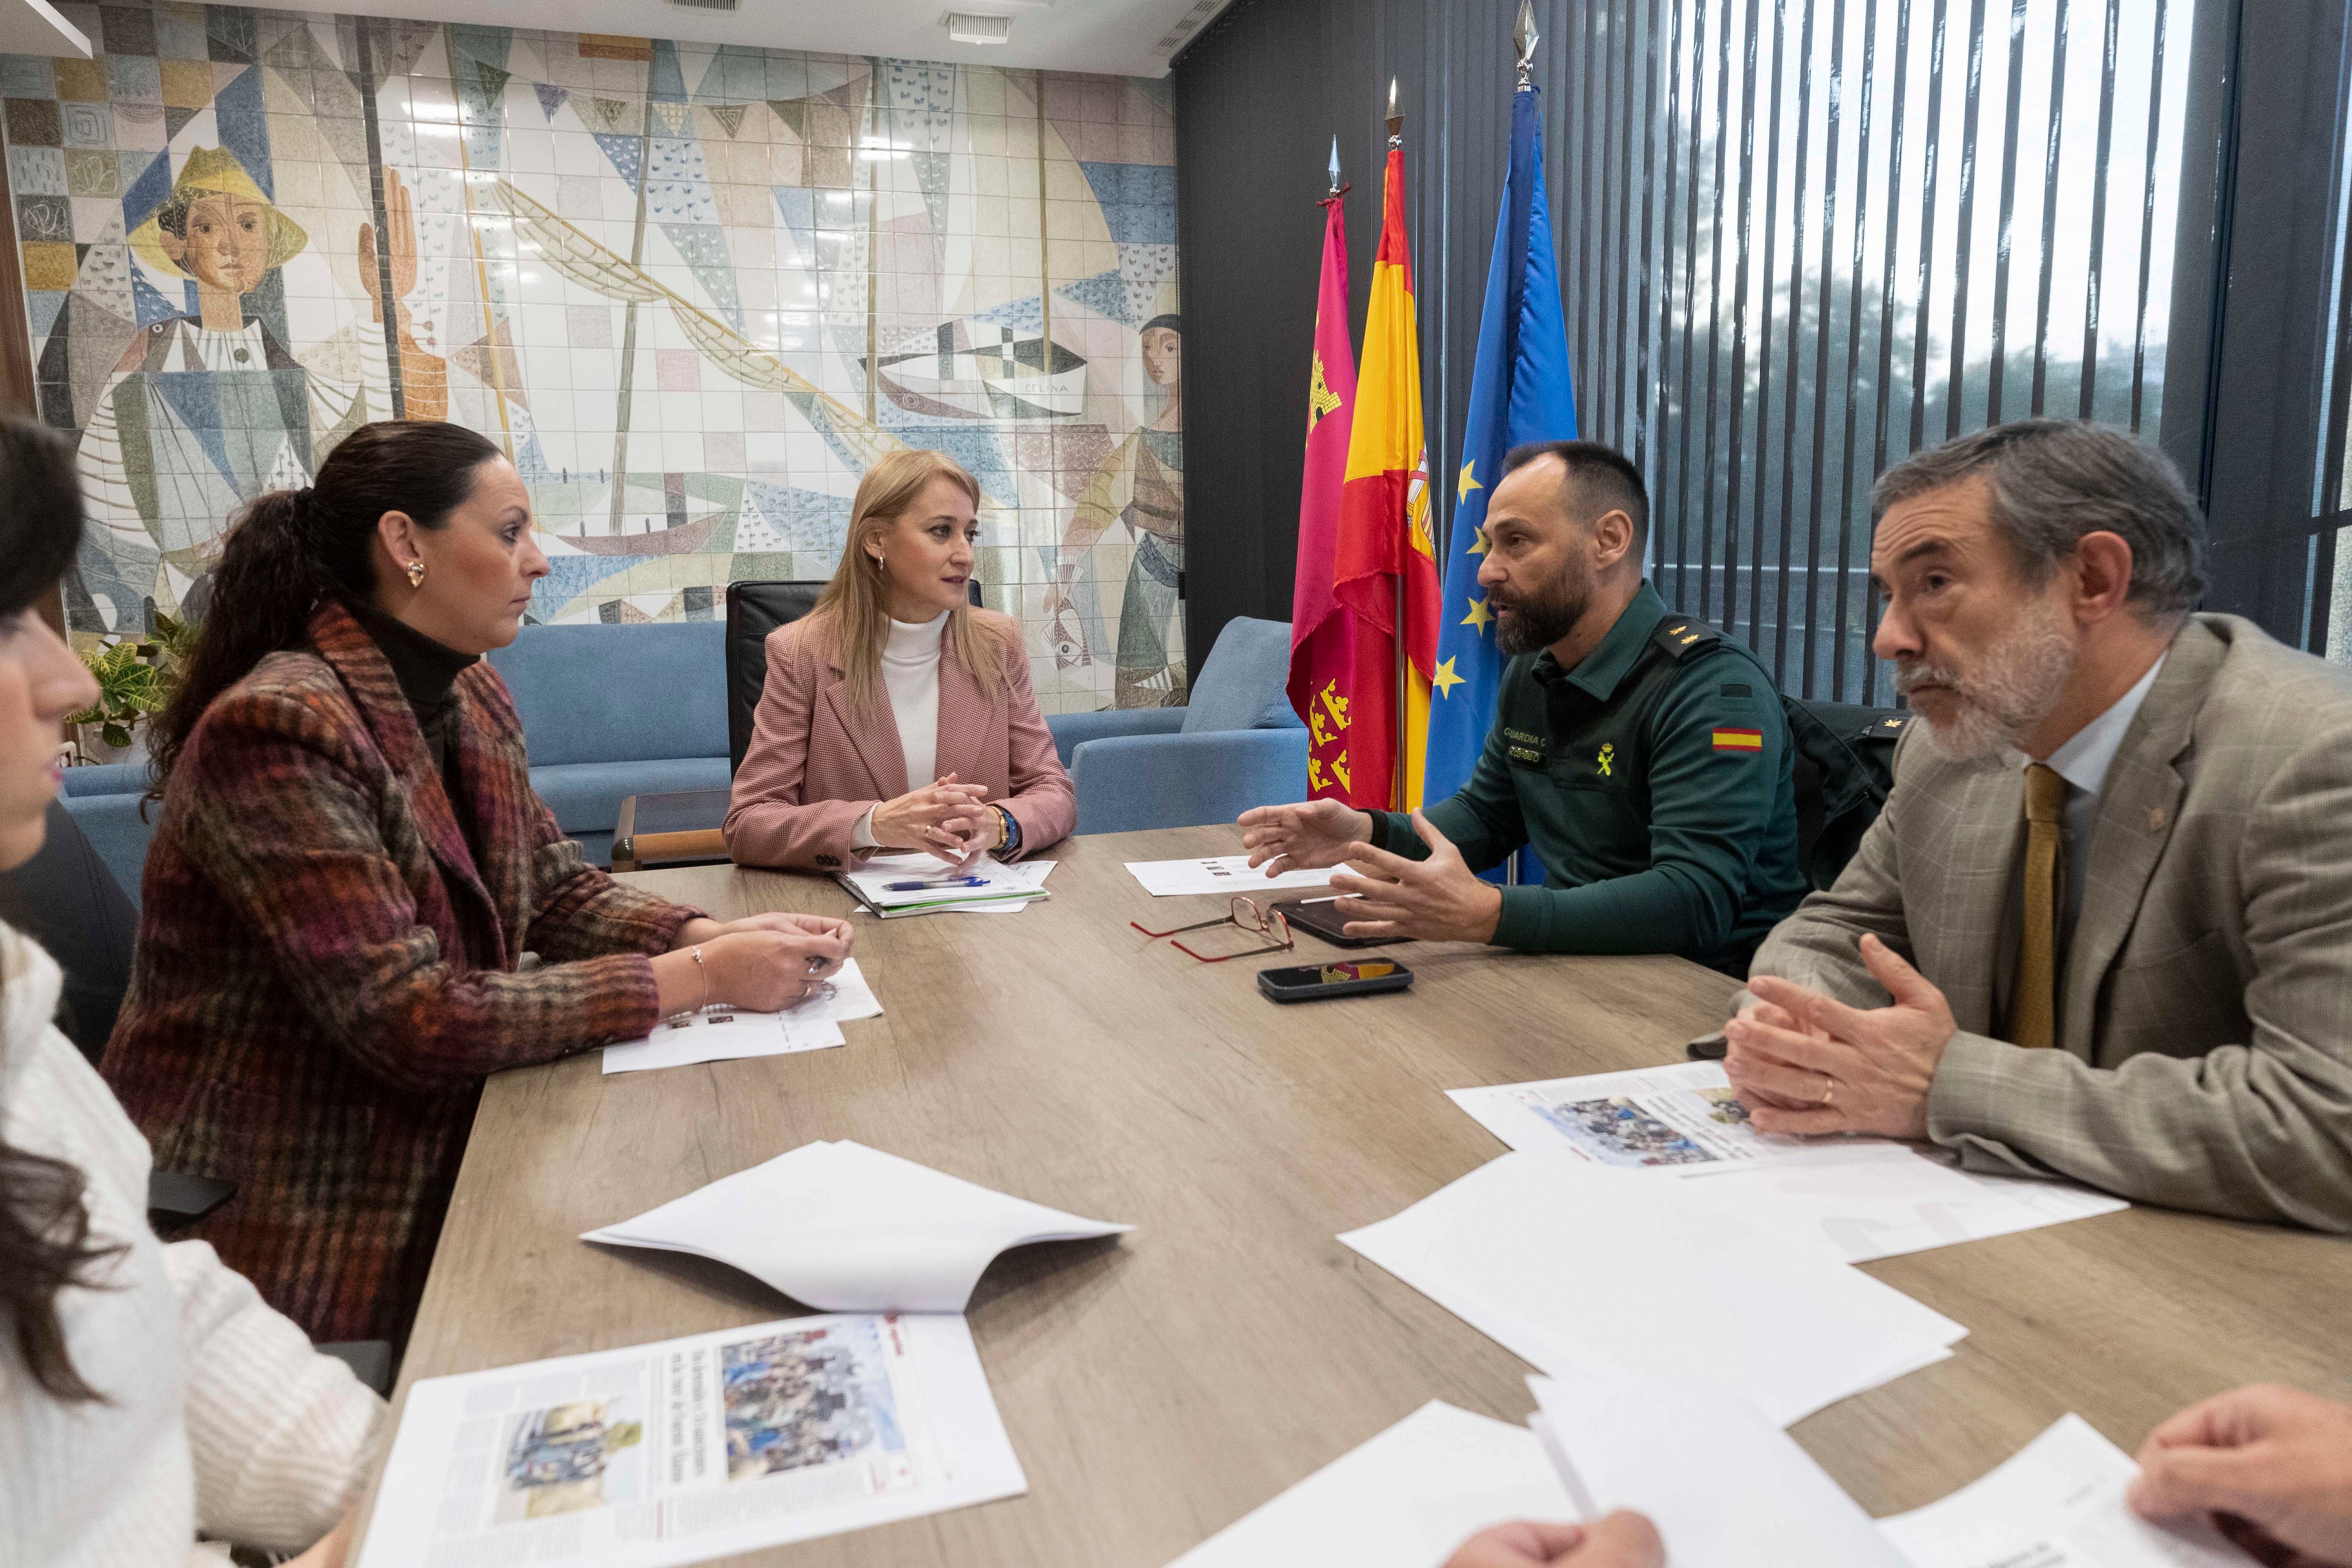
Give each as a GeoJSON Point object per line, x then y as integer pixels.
{"type": "Point", "coordinates": [1116, 38]}
{"type": "Point", "coordinates": [34, 27]}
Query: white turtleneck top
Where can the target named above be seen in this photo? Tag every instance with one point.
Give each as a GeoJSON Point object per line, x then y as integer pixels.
{"type": "Point", "coordinates": [910, 675]}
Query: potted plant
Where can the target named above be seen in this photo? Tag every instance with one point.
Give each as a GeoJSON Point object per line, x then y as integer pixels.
{"type": "Point", "coordinates": [134, 680]}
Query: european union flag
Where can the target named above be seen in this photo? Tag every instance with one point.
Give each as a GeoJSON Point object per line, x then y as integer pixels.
{"type": "Point", "coordinates": [1519, 392]}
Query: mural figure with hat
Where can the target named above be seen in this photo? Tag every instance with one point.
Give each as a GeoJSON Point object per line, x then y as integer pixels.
{"type": "Point", "coordinates": [1141, 484]}
{"type": "Point", "coordinates": [203, 412]}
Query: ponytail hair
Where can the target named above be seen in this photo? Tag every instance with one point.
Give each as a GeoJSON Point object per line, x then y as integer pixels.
{"type": "Point", "coordinates": [290, 549]}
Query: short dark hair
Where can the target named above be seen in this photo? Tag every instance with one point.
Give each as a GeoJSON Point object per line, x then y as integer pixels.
{"type": "Point", "coordinates": [40, 526]}
{"type": "Point", "coordinates": [2055, 480]}
{"type": "Point", "coordinates": [1598, 479]}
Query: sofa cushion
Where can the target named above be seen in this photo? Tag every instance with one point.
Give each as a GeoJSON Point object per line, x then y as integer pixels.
{"type": "Point", "coordinates": [1240, 686]}
{"type": "Point", "coordinates": [620, 693]}
{"type": "Point", "coordinates": [107, 778]}
{"type": "Point", "coordinates": [586, 797]}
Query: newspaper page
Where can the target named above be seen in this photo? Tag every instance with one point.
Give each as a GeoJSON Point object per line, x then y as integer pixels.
{"type": "Point", "coordinates": [693, 1448]}
{"type": "Point", "coordinates": [1657, 1117]}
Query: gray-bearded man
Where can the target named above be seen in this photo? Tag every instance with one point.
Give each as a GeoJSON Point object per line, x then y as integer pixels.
{"type": "Point", "coordinates": [2104, 928]}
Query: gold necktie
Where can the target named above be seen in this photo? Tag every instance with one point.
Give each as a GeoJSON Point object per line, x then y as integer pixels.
{"type": "Point", "coordinates": [2032, 1021]}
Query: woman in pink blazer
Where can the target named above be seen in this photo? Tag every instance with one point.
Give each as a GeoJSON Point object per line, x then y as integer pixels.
{"type": "Point", "coordinates": [896, 716]}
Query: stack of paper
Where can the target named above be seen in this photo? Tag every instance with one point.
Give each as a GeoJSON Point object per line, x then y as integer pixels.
{"type": "Point", "coordinates": [1868, 1197]}
{"type": "Point", "coordinates": [693, 1448]}
{"type": "Point", "coordinates": [726, 1034]}
{"type": "Point", "coordinates": [1725, 1487]}
{"type": "Point", "coordinates": [2058, 1503]}
{"type": "Point", "coordinates": [1404, 1499]}
{"type": "Point", "coordinates": [1567, 1264]}
{"type": "Point", "coordinates": [1227, 874]}
{"type": "Point", "coordinates": [849, 1228]}
{"type": "Point", "coordinates": [891, 886]}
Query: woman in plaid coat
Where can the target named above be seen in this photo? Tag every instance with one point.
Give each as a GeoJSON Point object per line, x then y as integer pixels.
{"type": "Point", "coordinates": [349, 867]}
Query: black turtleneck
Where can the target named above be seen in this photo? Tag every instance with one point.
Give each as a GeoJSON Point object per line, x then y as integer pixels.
{"type": "Point", "coordinates": [425, 669]}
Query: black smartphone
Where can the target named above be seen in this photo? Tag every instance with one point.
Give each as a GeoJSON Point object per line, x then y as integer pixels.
{"type": "Point", "coordinates": [1351, 977]}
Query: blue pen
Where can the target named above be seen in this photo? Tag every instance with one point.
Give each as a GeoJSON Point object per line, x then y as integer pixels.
{"type": "Point", "coordinates": [944, 883]}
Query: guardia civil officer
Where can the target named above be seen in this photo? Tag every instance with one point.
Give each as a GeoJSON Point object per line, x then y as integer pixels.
{"type": "Point", "coordinates": [1642, 754]}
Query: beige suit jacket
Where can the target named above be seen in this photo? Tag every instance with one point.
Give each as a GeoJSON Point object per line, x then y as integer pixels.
{"type": "Point", "coordinates": [2204, 1054]}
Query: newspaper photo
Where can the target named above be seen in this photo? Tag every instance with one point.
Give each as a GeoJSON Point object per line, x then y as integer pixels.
{"type": "Point", "coordinates": [1683, 1115]}
{"type": "Point", "coordinates": [693, 1448]}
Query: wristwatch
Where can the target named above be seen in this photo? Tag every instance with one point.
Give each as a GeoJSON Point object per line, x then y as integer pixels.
{"type": "Point", "coordinates": [1007, 830]}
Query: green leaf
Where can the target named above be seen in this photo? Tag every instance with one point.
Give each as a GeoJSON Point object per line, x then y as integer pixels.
{"type": "Point", "coordinates": [116, 735]}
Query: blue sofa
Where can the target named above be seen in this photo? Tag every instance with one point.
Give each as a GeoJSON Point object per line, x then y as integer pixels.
{"type": "Point", "coordinates": [1237, 745]}
{"type": "Point", "coordinates": [613, 712]}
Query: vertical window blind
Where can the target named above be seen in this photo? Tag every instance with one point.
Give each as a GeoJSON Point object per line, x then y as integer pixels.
{"type": "Point", "coordinates": [1801, 239]}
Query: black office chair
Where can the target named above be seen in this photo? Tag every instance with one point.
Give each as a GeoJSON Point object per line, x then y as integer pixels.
{"type": "Point", "coordinates": [65, 899]}
{"type": "Point", "coordinates": [1844, 768]}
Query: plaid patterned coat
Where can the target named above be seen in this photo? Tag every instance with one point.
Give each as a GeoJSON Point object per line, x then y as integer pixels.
{"type": "Point", "coordinates": [326, 968]}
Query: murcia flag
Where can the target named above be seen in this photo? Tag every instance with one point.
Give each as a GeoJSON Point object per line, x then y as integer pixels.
{"type": "Point", "coordinates": [1323, 630]}
{"type": "Point", "coordinates": [1385, 560]}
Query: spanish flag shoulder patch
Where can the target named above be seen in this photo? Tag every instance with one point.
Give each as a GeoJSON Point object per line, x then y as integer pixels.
{"type": "Point", "coordinates": [1739, 740]}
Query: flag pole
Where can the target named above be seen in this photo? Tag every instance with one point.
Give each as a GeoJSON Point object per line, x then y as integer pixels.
{"type": "Point", "coordinates": [1404, 654]}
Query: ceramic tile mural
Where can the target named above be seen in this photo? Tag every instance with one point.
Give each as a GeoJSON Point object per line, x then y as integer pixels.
{"type": "Point", "coordinates": [693, 290]}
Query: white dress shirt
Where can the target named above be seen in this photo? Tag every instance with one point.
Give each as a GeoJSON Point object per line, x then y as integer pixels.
{"type": "Point", "coordinates": [2083, 762]}
{"type": "Point", "coordinates": [910, 675]}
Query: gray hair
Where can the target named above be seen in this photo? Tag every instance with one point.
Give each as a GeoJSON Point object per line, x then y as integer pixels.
{"type": "Point", "coordinates": [2055, 480]}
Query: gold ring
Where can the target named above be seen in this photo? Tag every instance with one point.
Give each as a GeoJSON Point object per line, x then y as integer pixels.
{"type": "Point", "coordinates": [1829, 1088]}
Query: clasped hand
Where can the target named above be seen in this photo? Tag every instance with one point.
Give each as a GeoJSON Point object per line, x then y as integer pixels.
{"type": "Point", "coordinates": [1805, 1063]}
{"type": "Point", "coordinates": [763, 962]}
{"type": "Point", "coordinates": [1436, 900]}
{"type": "Point", "coordinates": [951, 820]}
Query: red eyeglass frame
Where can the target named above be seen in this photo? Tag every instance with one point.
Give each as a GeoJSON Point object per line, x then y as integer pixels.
{"type": "Point", "coordinates": [1265, 923]}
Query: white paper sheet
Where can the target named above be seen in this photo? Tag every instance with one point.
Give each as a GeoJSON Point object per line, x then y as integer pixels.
{"type": "Point", "coordinates": [1870, 1197]}
{"type": "Point", "coordinates": [1567, 1264]}
{"type": "Point", "coordinates": [1666, 1119]}
{"type": "Point", "coordinates": [1405, 1499]}
{"type": "Point", "coordinates": [1226, 874]}
{"type": "Point", "coordinates": [876, 879]}
{"type": "Point", "coordinates": [2057, 1503]}
{"type": "Point", "coordinates": [728, 1033]}
{"type": "Point", "coordinates": [1724, 1486]}
{"type": "Point", "coordinates": [693, 1448]}
{"type": "Point", "coordinates": [848, 1228]}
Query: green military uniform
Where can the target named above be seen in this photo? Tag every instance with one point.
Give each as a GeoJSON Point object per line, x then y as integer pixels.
{"type": "Point", "coordinates": [1654, 782]}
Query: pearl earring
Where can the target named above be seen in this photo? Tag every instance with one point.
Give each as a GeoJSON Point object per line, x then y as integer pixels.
{"type": "Point", "coordinates": [417, 573]}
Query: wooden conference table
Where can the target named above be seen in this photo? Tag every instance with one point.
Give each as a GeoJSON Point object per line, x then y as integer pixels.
{"type": "Point", "coordinates": [1159, 1386]}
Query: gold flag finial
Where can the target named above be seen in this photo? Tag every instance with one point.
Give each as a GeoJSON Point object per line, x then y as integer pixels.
{"type": "Point", "coordinates": [1396, 120]}
{"type": "Point", "coordinates": [1524, 38]}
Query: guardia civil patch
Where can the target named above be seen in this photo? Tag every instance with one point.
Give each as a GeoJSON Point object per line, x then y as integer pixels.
{"type": "Point", "coordinates": [1739, 740]}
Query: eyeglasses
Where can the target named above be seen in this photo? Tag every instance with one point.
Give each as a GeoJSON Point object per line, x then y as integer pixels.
{"type": "Point", "coordinates": [1243, 912]}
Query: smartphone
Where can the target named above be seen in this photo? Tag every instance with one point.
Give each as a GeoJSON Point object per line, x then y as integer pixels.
{"type": "Point", "coordinates": [1353, 977]}
{"type": "Point", "coordinates": [1327, 918]}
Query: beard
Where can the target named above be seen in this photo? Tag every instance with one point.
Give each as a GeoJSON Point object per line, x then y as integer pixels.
{"type": "Point", "coordinates": [2012, 688]}
{"type": "Point", "coordinates": [1523, 626]}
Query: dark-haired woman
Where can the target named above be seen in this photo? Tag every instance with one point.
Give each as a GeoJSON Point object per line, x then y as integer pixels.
{"type": "Point", "coordinates": [349, 867]}
{"type": "Point", "coordinates": [145, 1391]}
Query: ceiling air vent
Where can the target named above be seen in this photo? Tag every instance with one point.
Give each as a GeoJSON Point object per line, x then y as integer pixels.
{"type": "Point", "coordinates": [705, 5]}
{"type": "Point", "coordinates": [1199, 14]}
{"type": "Point", "coordinates": [967, 27]}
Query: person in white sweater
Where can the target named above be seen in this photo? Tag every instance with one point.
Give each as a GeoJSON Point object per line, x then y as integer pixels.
{"type": "Point", "coordinates": [152, 1408]}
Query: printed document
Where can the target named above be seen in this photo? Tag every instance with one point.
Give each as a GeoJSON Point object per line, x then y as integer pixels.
{"type": "Point", "coordinates": [847, 1228]}
{"type": "Point", "coordinates": [1567, 1264]}
{"type": "Point", "coordinates": [692, 1448]}
{"type": "Point", "coordinates": [2057, 1503]}
{"type": "Point", "coordinates": [1404, 1499]}
{"type": "Point", "coordinates": [1870, 1197]}
{"type": "Point", "coordinates": [1226, 874]}
{"type": "Point", "coordinates": [917, 883]}
{"type": "Point", "coordinates": [1726, 1487]}
{"type": "Point", "coordinates": [724, 1034]}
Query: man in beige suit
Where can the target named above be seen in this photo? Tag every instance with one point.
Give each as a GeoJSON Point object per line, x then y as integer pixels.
{"type": "Point", "coordinates": [2104, 926]}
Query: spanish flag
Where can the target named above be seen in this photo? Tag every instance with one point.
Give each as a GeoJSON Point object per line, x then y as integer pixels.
{"type": "Point", "coordinates": [1385, 552]}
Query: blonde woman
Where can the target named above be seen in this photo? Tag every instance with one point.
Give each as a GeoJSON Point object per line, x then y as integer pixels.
{"type": "Point", "coordinates": [895, 715]}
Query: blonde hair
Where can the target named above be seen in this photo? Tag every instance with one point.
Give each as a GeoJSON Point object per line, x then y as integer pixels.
{"type": "Point", "coordinates": [854, 612]}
